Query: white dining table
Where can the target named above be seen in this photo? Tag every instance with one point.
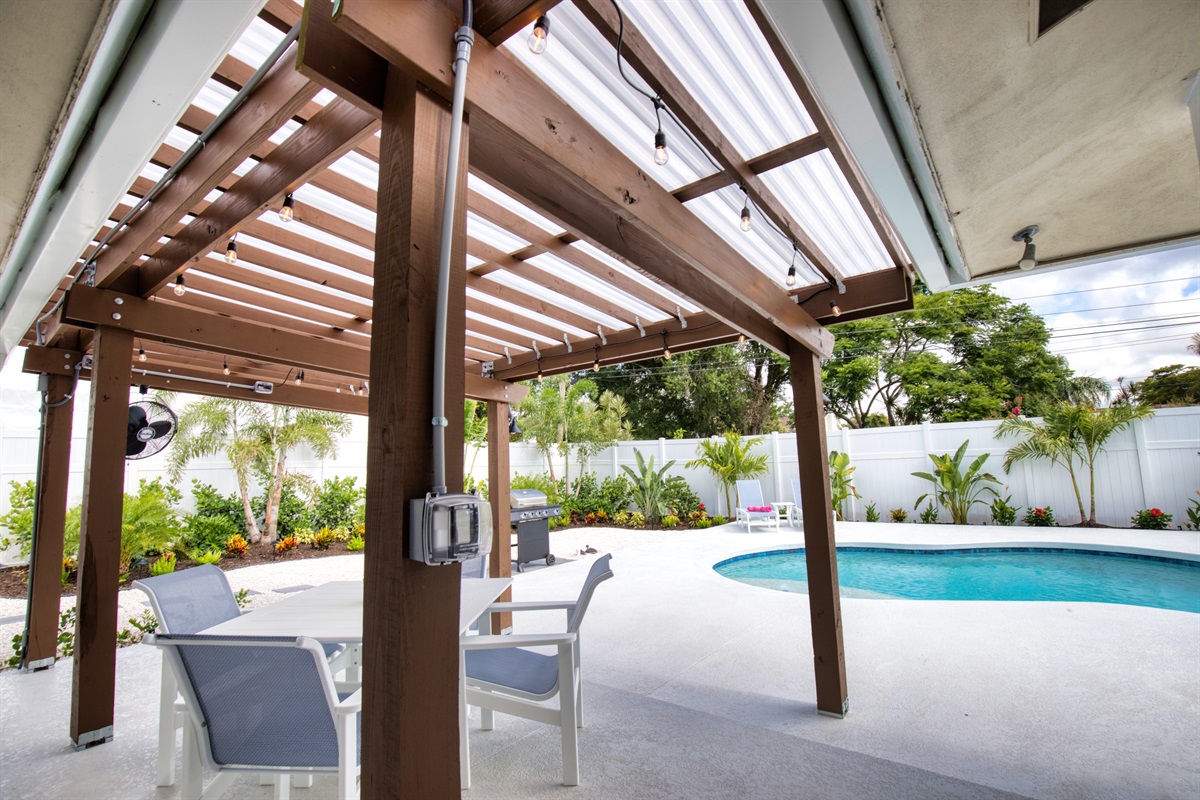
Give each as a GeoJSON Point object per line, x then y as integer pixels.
{"type": "Point", "coordinates": [333, 612]}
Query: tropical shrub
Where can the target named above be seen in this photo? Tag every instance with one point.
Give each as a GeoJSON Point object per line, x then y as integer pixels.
{"type": "Point", "coordinates": [19, 521]}
{"type": "Point", "coordinates": [237, 546]}
{"type": "Point", "coordinates": [336, 503]}
{"type": "Point", "coordinates": [929, 514]}
{"type": "Point", "coordinates": [1003, 513]}
{"type": "Point", "coordinates": [955, 490]}
{"type": "Point", "coordinates": [293, 513]}
{"type": "Point", "coordinates": [670, 521]}
{"type": "Point", "coordinates": [649, 487]}
{"type": "Point", "coordinates": [898, 514]}
{"type": "Point", "coordinates": [1151, 519]}
{"type": "Point", "coordinates": [285, 544]}
{"type": "Point", "coordinates": [164, 564]}
{"type": "Point", "coordinates": [355, 543]}
{"type": "Point", "coordinates": [1193, 514]}
{"type": "Point", "coordinates": [621, 518]}
{"type": "Point", "coordinates": [69, 568]}
{"type": "Point", "coordinates": [702, 523]}
{"type": "Point", "coordinates": [872, 513]}
{"type": "Point", "coordinates": [211, 503]}
{"type": "Point", "coordinates": [840, 480]}
{"type": "Point", "coordinates": [720, 520]}
{"type": "Point", "coordinates": [541, 482]}
{"type": "Point", "coordinates": [637, 520]}
{"type": "Point", "coordinates": [729, 460]}
{"type": "Point", "coordinates": [324, 539]}
{"type": "Point", "coordinates": [202, 534]}
{"type": "Point", "coordinates": [209, 557]}
{"type": "Point", "coordinates": [149, 523]}
{"type": "Point", "coordinates": [1040, 517]}
{"type": "Point", "coordinates": [679, 498]}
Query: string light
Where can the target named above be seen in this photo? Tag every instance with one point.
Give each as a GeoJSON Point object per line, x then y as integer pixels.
{"type": "Point", "coordinates": [666, 348]}
{"type": "Point", "coordinates": [225, 365]}
{"type": "Point", "coordinates": [300, 377]}
{"type": "Point", "coordinates": [540, 35]}
{"type": "Point", "coordinates": [596, 363]}
{"type": "Point", "coordinates": [352, 389]}
{"type": "Point", "coordinates": [661, 156]}
{"type": "Point", "coordinates": [741, 338]}
{"type": "Point", "coordinates": [231, 250]}
{"type": "Point", "coordinates": [835, 308]}
{"type": "Point", "coordinates": [180, 289]}
{"type": "Point", "coordinates": [540, 376]}
{"type": "Point", "coordinates": [791, 273]}
{"type": "Point", "coordinates": [289, 208]}
{"type": "Point", "coordinates": [141, 353]}
{"type": "Point", "coordinates": [746, 212]}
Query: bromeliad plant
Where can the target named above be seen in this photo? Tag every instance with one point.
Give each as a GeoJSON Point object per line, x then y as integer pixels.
{"type": "Point", "coordinates": [955, 490]}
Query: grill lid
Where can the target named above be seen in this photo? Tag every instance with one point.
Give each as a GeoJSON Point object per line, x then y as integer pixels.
{"type": "Point", "coordinates": [527, 498]}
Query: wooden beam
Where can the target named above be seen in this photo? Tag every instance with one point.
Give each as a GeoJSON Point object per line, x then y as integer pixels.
{"type": "Point", "coordinates": [661, 79]}
{"type": "Point", "coordinates": [497, 20]}
{"type": "Point", "coordinates": [284, 393]}
{"type": "Point", "coordinates": [867, 295]}
{"type": "Point", "coordinates": [494, 391]}
{"type": "Point", "coordinates": [585, 182]}
{"type": "Point", "coordinates": [410, 720]}
{"type": "Point", "coordinates": [325, 138]}
{"type": "Point", "coordinates": [499, 472]}
{"type": "Point", "coordinates": [87, 306]}
{"type": "Point", "coordinates": [50, 360]}
{"type": "Point", "coordinates": [39, 643]}
{"type": "Point", "coordinates": [275, 100]}
{"type": "Point", "coordinates": [93, 683]}
{"type": "Point", "coordinates": [703, 330]}
{"type": "Point", "coordinates": [792, 151]}
{"type": "Point", "coordinates": [820, 552]}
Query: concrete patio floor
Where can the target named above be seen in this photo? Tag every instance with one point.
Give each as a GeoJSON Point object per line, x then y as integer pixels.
{"type": "Point", "coordinates": [697, 686]}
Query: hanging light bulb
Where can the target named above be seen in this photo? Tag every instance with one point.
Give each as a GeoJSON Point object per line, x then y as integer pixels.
{"type": "Point", "coordinates": [791, 273]}
{"type": "Point", "coordinates": [231, 250]}
{"type": "Point", "coordinates": [180, 289]}
{"type": "Point", "coordinates": [540, 377]}
{"type": "Point", "coordinates": [746, 212]}
{"type": "Point", "coordinates": [289, 208]}
{"type": "Point", "coordinates": [141, 353]}
{"type": "Point", "coordinates": [300, 377]}
{"type": "Point", "coordinates": [661, 156]}
{"type": "Point", "coordinates": [835, 308]}
{"type": "Point", "coordinates": [741, 338]}
{"type": "Point", "coordinates": [540, 35]}
{"type": "Point", "coordinates": [596, 363]}
{"type": "Point", "coordinates": [225, 365]}
{"type": "Point", "coordinates": [666, 347]}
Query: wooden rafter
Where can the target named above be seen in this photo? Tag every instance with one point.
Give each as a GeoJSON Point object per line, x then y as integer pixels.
{"type": "Point", "coordinates": [792, 151]}
{"type": "Point", "coordinates": [566, 170]}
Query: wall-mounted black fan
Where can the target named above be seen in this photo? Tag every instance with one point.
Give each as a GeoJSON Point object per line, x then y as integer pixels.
{"type": "Point", "coordinates": [151, 426]}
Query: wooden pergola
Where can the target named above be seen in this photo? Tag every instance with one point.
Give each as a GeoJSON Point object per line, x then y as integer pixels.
{"type": "Point", "coordinates": [352, 307]}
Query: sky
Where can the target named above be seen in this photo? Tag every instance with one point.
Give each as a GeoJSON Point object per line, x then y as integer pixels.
{"type": "Point", "coordinates": [1120, 319]}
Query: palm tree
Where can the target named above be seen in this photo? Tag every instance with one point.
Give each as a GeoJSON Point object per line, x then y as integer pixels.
{"type": "Point", "coordinates": [1072, 436]}
{"type": "Point", "coordinates": [1194, 347]}
{"type": "Point", "coordinates": [730, 460]}
{"type": "Point", "coordinates": [254, 437]}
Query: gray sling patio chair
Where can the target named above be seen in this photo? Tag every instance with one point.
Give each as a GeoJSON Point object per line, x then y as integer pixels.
{"type": "Point", "coordinates": [262, 705]}
{"type": "Point", "coordinates": [501, 675]}
{"type": "Point", "coordinates": [183, 602]}
{"type": "Point", "coordinates": [750, 504]}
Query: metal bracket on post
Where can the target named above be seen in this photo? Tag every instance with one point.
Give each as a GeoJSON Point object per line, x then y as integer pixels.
{"type": "Point", "coordinates": [679, 316]}
{"type": "Point", "coordinates": [603, 338]}
{"type": "Point", "coordinates": [488, 369]}
{"type": "Point", "coordinates": [507, 355]}
{"type": "Point", "coordinates": [641, 331]}
{"type": "Point", "coordinates": [536, 352]}
{"type": "Point", "coordinates": [567, 342]}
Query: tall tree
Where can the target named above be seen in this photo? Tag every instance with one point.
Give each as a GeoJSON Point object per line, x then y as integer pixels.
{"type": "Point", "coordinates": [703, 392]}
{"type": "Point", "coordinates": [1175, 385]}
{"type": "Point", "coordinates": [957, 356]}
{"type": "Point", "coordinates": [730, 460]}
{"type": "Point", "coordinates": [254, 437]}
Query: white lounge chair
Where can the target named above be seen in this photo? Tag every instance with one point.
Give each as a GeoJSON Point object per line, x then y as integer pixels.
{"type": "Point", "coordinates": [262, 705]}
{"type": "Point", "coordinates": [750, 497]}
{"type": "Point", "coordinates": [795, 515]}
{"type": "Point", "coordinates": [503, 676]}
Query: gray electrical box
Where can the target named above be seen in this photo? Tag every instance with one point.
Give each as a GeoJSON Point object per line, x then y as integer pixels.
{"type": "Point", "coordinates": [447, 528]}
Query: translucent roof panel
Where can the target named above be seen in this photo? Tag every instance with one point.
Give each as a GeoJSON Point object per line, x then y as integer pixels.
{"type": "Point", "coordinates": [717, 51]}
{"type": "Point", "coordinates": [663, 296]}
{"type": "Point", "coordinates": [821, 199]}
{"type": "Point", "coordinates": [485, 189]}
{"type": "Point", "coordinates": [581, 67]}
{"type": "Point", "coordinates": [556, 266]}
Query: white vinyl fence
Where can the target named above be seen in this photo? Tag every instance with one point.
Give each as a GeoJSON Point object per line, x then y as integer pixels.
{"type": "Point", "coordinates": [1153, 464]}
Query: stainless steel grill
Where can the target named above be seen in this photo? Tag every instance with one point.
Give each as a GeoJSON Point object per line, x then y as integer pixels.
{"type": "Point", "coordinates": [529, 516]}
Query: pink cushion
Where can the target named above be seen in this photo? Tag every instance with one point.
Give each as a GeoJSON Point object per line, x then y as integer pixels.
{"type": "Point", "coordinates": [760, 509]}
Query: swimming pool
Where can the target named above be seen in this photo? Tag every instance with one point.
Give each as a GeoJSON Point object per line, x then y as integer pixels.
{"type": "Point", "coordinates": [986, 573]}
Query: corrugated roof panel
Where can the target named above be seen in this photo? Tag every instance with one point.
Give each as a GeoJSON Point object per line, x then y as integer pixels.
{"type": "Point", "coordinates": [662, 293]}
{"type": "Point", "coordinates": [554, 298]}
{"type": "Point", "coordinates": [822, 201]}
{"type": "Point", "coordinates": [523, 311]}
{"type": "Point", "coordinates": [554, 265]}
{"type": "Point", "coordinates": [477, 184]}
{"type": "Point", "coordinates": [479, 228]}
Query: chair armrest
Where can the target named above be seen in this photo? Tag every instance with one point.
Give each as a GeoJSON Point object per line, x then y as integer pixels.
{"type": "Point", "coordinates": [532, 605]}
{"type": "Point", "coordinates": [520, 640]}
{"type": "Point", "coordinates": [351, 705]}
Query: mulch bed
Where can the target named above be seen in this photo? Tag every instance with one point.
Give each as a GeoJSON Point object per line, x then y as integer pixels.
{"type": "Point", "coordinates": [14, 581]}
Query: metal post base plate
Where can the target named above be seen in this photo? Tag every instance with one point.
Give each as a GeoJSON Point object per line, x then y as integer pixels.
{"type": "Point", "coordinates": [93, 738]}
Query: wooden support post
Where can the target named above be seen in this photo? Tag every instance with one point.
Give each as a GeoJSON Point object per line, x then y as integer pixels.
{"type": "Point", "coordinates": [40, 642]}
{"type": "Point", "coordinates": [410, 727]}
{"type": "Point", "coordinates": [820, 554]}
{"type": "Point", "coordinates": [94, 682]}
{"type": "Point", "coordinates": [499, 469]}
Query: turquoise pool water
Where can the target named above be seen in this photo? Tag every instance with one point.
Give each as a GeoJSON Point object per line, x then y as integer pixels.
{"type": "Point", "coordinates": [986, 574]}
